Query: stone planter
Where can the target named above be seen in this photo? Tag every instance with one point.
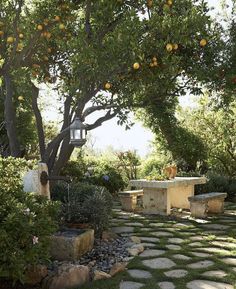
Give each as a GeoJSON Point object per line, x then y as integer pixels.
{"type": "Point", "coordinates": [71, 244]}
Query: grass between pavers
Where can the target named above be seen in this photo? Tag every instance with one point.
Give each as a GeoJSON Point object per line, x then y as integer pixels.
{"type": "Point", "coordinates": [180, 232]}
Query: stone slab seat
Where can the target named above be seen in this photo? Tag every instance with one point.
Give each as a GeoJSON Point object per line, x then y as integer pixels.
{"type": "Point", "coordinates": [129, 199]}
{"type": "Point", "coordinates": [213, 202]}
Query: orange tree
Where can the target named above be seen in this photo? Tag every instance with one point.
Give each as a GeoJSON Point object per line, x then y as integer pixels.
{"type": "Point", "coordinates": [110, 56]}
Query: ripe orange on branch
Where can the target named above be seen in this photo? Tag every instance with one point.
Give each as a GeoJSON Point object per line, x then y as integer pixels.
{"type": "Point", "coordinates": [203, 42]}
{"type": "Point", "coordinates": [169, 47]}
{"type": "Point", "coordinates": [62, 26]}
{"type": "Point", "coordinates": [136, 66]}
{"type": "Point", "coordinates": [108, 85]}
{"type": "Point", "coordinates": [1, 33]}
{"type": "Point", "coordinates": [10, 39]}
{"type": "Point", "coordinates": [40, 27]}
{"type": "Point", "coordinates": [20, 98]}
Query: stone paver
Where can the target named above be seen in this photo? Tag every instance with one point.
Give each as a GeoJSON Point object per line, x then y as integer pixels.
{"type": "Point", "coordinates": [135, 273]}
{"type": "Point", "coordinates": [201, 264]}
{"type": "Point", "coordinates": [181, 257]}
{"type": "Point", "coordinates": [195, 244]}
{"type": "Point", "coordinates": [156, 224]}
{"type": "Point", "coordinates": [166, 285]}
{"type": "Point", "coordinates": [197, 238]}
{"type": "Point", "coordinates": [229, 261]}
{"type": "Point", "coordinates": [204, 284]}
{"type": "Point", "coordinates": [135, 224]}
{"type": "Point", "coordinates": [159, 263]}
{"type": "Point", "coordinates": [224, 244]}
{"type": "Point", "coordinates": [173, 247]}
{"type": "Point", "coordinates": [162, 234]}
{"type": "Point", "coordinates": [205, 238]}
{"type": "Point", "coordinates": [179, 273]}
{"type": "Point", "coordinates": [215, 273]}
{"type": "Point", "coordinates": [152, 253]}
{"type": "Point", "coordinates": [202, 255]}
{"type": "Point", "coordinates": [150, 239]}
{"type": "Point", "coordinates": [148, 245]}
{"type": "Point", "coordinates": [214, 250]}
{"type": "Point", "coordinates": [215, 226]}
{"type": "Point", "coordinates": [145, 229]}
{"type": "Point", "coordinates": [130, 285]}
{"type": "Point", "coordinates": [175, 240]}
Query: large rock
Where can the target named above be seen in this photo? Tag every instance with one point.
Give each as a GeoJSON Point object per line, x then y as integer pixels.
{"type": "Point", "coordinates": [135, 249]}
{"type": "Point", "coordinates": [109, 235]}
{"type": "Point", "coordinates": [118, 267]}
{"type": "Point", "coordinates": [68, 276]}
{"type": "Point", "coordinates": [35, 274]}
{"type": "Point", "coordinates": [99, 275]}
{"type": "Point", "coordinates": [71, 244]}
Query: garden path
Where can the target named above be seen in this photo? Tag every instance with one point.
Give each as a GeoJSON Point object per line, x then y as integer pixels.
{"type": "Point", "coordinates": [180, 252]}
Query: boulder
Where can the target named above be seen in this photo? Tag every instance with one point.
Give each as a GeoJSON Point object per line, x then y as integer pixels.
{"type": "Point", "coordinates": [35, 274]}
{"type": "Point", "coordinates": [118, 267]}
{"type": "Point", "coordinates": [99, 275]}
{"type": "Point", "coordinates": [68, 276]}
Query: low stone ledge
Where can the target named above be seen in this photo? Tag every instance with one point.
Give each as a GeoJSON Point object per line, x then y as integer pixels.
{"type": "Point", "coordinates": [71, 244]}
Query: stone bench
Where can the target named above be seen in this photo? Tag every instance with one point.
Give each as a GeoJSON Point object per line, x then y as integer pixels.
{"type": "Point", "coordinates": [129, 199]}
{"type": "Point", "coordinates": [200, 205]}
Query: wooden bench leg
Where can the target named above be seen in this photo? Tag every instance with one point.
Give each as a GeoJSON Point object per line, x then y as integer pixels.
{"type": "Point", "coordinates": [216, 206]}
{"type": "Point", "coordinates": [198, 209]}
{"type": "Point", "coordinates": [128, 203]}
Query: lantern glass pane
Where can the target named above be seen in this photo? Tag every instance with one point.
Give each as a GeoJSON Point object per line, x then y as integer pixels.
{"type": "Point", "coordinates": [77, 134]}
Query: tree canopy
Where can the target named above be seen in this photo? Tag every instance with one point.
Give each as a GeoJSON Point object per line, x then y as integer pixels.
{"type": "Point", "coordinates": [112, 56]}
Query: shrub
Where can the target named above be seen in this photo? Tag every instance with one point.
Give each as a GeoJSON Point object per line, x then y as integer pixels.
{"type": "Point", "coordinates": [26, 222]}
{"type": "Point", "coordinates": [84, 203]}
{"type": "Point", "coordinates": [106, 174]}
{"type": "Point", "coordinates": [218, 183]}
{"type": "Point", "coordinates": [153, 166]}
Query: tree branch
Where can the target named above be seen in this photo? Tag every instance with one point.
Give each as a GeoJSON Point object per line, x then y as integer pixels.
{"type": "Point", "coordinates": [39, 121]}
{"type": "Point", "coordinates": [94, 108]}
{"type": "Point", "coordinates": [99, 121]}
{"type": "Point", "coordinates": [87, 19]}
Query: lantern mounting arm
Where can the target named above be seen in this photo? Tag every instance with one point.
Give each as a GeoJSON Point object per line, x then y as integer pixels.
{"type": "Point", "coordinates": [92, 109]}
{"type": "Point", "coordinates": [100, 120]}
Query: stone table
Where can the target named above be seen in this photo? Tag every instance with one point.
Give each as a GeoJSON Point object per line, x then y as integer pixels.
{"type": "Point", "coordinates": [160, 196]}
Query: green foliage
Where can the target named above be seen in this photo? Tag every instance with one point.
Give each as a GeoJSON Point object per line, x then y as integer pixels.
{"type": "Point", "coordinates": [26, 222]}
{"type": "Point", "coordinates": [84, 203]}
{"type": "Point", "coordinates": [218, 183]}
{"type": "Point", "coordinates": [154, 165]}
{"type": "Point", "coordinates": [106, 174]}
{"type": "Point", "coordinates": [128, 163]}
{"type": "Point", "coordinates": [216, 129]}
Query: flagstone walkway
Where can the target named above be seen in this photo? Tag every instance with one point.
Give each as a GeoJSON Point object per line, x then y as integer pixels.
{"type": "Point", "coordinates": [179, 252]}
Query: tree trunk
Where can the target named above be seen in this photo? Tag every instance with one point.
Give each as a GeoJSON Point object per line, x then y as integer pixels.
{"type": "Point", "coordinates": [64, 155]}
{"type": "Point", "coordinates": [39, 121]}
{"type": "Point", "coordinates": [10, 118]}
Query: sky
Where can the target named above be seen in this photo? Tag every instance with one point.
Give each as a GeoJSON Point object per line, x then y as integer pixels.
{"type": "Point", "coordinates": [111, 135]}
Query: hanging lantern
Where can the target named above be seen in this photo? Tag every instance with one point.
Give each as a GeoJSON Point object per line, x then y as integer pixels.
{"type": "Point", "coordinates": [77, 133]}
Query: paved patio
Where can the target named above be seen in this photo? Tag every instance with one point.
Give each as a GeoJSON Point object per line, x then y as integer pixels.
{"type": "Point", "coordinates": [180, 252]}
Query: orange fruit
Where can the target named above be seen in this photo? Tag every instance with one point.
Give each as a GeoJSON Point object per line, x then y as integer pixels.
{"type": "Point", "coordinates": [62, 26]}
{"type": "Point", "coordinates": [136, 66]}
{"type": "Point", "coordinates": [10, 39]}
{"type": "Point", "coordinates": [108, 85]}
{"type": "Point", "coordinates": [40, 27]}
{"type": "Point", "coordinates": [203, 42]}
{"type": "Point", "coordinates": [175, 46]}
{"type": "Point", "coordinates": [20, 98]}
{"type": "Point", "coordinates": [169, 47]}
